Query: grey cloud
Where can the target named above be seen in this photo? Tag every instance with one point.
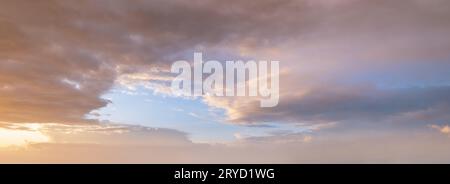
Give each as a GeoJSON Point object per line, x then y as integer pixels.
{"type": "Point", "coordinates": [353, 104]}
{"type": "Point", "coordinates": [59, 57]}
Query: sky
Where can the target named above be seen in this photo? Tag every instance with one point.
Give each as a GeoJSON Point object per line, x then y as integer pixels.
{"type": "Point", "coordinates": [88, 81]}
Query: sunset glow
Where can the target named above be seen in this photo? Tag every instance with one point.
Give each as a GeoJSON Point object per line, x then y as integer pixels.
{"type": "Point", "coordinates": [11, 137]}
{"type": "Point", "coordinates": [351, 81]}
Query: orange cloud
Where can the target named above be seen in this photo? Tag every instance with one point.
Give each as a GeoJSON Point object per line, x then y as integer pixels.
{"type": "Point", "coordinates": [445, 129]}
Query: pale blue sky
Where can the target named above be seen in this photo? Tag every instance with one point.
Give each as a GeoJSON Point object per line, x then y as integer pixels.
{"type": "Point", "coordinates": [202, 123]}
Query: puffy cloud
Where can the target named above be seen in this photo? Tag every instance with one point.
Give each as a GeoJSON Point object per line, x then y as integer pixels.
{"type": "Point", "coordinates": [60, 57]}
{"type": "Point", "coordinates": [363, 61]}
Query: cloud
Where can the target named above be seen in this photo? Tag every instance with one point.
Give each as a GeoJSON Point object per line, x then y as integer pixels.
{"type": "Point", "coordinates": [445, 129]}
{"type": "Point", "coordinates": [101, 134]}
{"type": "Point", "coordinates": [363, 62]}
{"type": "Point", "coordinates": [58, 58]}
{"type": "Point", "coordinates": [62, 56]}
{"type": "Point", "coordinates": [334, 104]}
{"type": "Point", "coordinates": [12, 135]}
{"type": "Point", "coordinates": [364, 147]}
{"type": "Point", "coordinates": [344, 62]}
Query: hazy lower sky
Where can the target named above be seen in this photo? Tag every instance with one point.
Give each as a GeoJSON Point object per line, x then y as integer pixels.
{"type": "Point", "coordinates": [88, 81]}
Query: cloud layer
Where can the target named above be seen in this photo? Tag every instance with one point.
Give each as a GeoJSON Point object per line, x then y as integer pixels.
{"type": "Point", "coordinates": [351, 63]}
{"type": "Point", "coordinates": [127, 145]}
